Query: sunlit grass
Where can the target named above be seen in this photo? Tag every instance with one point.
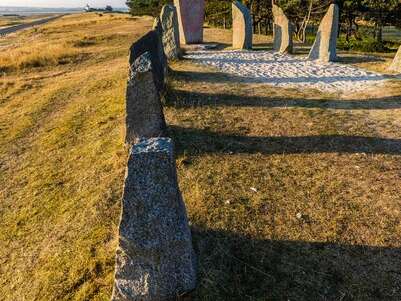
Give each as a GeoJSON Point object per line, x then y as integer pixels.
{"type": "Point", "coordinates": [37, 55]}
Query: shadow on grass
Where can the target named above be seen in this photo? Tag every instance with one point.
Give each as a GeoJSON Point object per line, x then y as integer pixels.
{"type": "Point", "coordinates": [181, 98]}
{"type": "Point", "coordinates": [221, 77]}
{"type": "Point", "coordinates": [359, 59]}
{"type": "Point", "coordinates": [236, 267]}
{"type": "Point", "coordinates": [196, 141]}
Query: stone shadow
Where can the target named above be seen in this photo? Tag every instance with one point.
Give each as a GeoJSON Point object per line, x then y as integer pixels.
{"type": "Point", "coordinates": [238, 267]}
{"type": "Point", "coordinates": [357, 59]}
{"type": "Point", "coordinates": [277, 37]}
{"type": "Point", "coordinates": [230, 78]}
{"type": "Point", "coordinates": [181, 98]}
{"type": "Point", "coordinates": [197, 141]}
{"type": "Point", "coordinates": [314, 52]}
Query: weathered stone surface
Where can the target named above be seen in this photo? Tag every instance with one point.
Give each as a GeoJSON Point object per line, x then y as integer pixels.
{"type": "Point", "coordinates": [143, 106]}
{"type": "Point", "coordinates": [282, 31]}
{"type": "Point", "coordinates": [170, 36]}
{"type": "Point", "coordinates": [191, 14]}
{"type": "Point", "coordinates": [324, 47]}
{"type": "Point", "coordinates": [150, 42]}
{"type": "Point", "coordinates": [157, 26]}
{"type": "Point", "coordinates": [242, 26]}
{"type": "Point", "coordinates": [396, 64]}
{"type": "Point", "coordinates": [155, 259]}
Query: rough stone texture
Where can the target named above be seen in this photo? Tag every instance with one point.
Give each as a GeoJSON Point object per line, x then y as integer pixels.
{"type": "Point", "coordinates": [282, 31]}
{"type": "Point", "coordinates": [150, 42]}
{"type": "Point", "coordinates": [157, 26]}
{"type": "Point", "coordinates": [242, 26]}
{"type": "Point", "coordinates": [324, 47]}
{"type": "Point", "coordinates": [155, 259]}
{"type": "Point", "coordinates": [396, 64]}
{"type": "Point", "coordinates": [191, 14]}
{"type": "Point", "coordinates": [170, 36]}
{"type": "Point", "coordinates": [143, 106]}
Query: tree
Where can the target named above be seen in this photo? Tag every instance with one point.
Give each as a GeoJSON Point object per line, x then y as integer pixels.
{"type": "Point", "coordinates": [108, 8]}
{"type": "Point", "coordinates": [379, 11]}
{"type": "Point", "coordinates": [350, 11]}
{"type": "Point", "coordinates": [145, 7]}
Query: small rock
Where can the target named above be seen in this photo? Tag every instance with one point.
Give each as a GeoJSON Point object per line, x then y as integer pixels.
{"type": "Point", "coordinates": [254, 189]}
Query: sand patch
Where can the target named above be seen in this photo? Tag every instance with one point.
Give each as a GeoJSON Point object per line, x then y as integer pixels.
{"type": "Point", "coordinates": [283, 70]}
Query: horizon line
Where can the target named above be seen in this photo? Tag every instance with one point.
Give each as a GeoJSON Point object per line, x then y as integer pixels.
{"type": "Point", "coordinates": [18, 6]}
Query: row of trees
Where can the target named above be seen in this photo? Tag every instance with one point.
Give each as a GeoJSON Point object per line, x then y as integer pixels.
{"type": "Point", "coordinates": [303, 13]}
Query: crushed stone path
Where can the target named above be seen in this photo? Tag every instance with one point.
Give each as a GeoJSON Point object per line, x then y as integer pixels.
{"type": "Point", "coordinates": [288, 71]}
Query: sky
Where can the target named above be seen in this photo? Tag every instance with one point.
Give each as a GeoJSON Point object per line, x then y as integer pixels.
{"type": "Point", "coordinates": [62, 3]}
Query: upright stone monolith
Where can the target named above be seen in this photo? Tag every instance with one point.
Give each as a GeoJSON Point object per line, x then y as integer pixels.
{"type": "Point", "coordinates": [155, 259]}
{"type": "Point", "coordinates": [282, 31]}
{"type": "Point", "coordinates": [396, 64]}
{"type": "Point", "coordinates": [242, 26]}
{"type": "Point", "coordinates": [144, 112]}
{"type": "Point", "coordinates": [191, 14]}
{"type": "Point", "coordinates": [170, 36]}
{"type": "Point", "coordinates": [324, 47]}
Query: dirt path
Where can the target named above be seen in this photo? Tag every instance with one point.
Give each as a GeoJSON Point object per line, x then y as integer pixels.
{"type": "Point", "coordinates": [16, 28]}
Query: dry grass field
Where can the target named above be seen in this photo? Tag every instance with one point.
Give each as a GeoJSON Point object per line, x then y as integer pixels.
{"type": "Point", "coordinates": [292, 195]}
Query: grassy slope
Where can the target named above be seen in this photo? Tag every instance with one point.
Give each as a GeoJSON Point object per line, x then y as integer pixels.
{"type": "Point", "coordinates": [323, 224]}
{"type": "Point", "coordinates": [62, 160]}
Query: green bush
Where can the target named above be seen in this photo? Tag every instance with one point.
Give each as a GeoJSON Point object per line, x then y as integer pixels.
{"type": "Point", "coordinates": [363, 45]}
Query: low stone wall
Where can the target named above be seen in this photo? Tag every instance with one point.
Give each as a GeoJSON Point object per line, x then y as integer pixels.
{"type": "Point", "coordinates": [155, 260]}
{"type": "Point", "coordinates": [150, 43]}
{"type": "Point", "coordinates": [144, 112]}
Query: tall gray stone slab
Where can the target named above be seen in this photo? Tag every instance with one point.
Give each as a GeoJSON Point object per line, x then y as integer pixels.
{"type": "Point", "coordinates": [191, 15]}
{"type": "Point", "coordinates": [144, 112]}
{"type": "Point", "coordinates": [242, 26]}
{"type": "Point", "coordinates": [155, 259]}
{"type": "Point", "coordinates": [396, 64]}
{"type": "Point", "coordinates": [170, 36]}
{"type": "Point", "coordinates": [282, 31]}
{"type": "Point", "coordinates": [324, 47]}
